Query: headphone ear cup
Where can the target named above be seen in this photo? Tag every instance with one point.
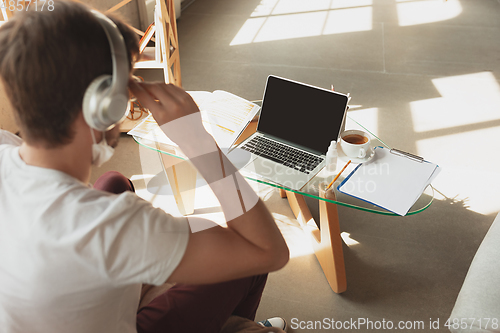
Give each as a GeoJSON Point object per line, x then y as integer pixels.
{"type": "Point", "coordinates": [105, 102]}
{"type": "Point", "coordinates": [92, 102]}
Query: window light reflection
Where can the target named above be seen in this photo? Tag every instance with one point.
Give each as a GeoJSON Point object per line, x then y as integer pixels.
{"type": "Point", "coordinates": [465, 100]}
{"type": "Point", "coordinates": [277, 7]}
{"type": "Point", "coordinates": [469, 162]}
{"type": "Point", "coordinates": [279, 20]}
{"type": "Point", "coordinates": [411, 12]}
{"type": "Point", "coordinates": [346, 237]}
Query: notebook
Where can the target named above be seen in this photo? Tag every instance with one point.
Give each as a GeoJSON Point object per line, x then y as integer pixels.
{"type": "Point", "coordinates": [296, 124]}
{"type": "Point", "coordinates": [390, 181]}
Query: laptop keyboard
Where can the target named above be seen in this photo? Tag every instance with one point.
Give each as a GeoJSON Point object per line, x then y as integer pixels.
{"type": "Point", "coordinates": [283, 154]}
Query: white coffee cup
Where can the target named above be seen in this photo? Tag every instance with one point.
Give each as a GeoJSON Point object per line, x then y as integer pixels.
{"type": "Point", "coordinates": [355, 143]}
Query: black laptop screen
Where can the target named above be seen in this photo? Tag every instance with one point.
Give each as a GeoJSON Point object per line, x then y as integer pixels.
{"type": "Point", "coordinates": [301, 114]}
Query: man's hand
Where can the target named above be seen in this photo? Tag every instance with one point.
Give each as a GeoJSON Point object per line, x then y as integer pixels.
{"type": "Point", "coordinates": [251, 243]}
{"type": "Point", "coordinates": [166, 102]}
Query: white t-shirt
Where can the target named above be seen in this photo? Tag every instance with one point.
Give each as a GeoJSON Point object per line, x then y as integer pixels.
{"type": "Point", "coordinates": [72, 258]}
{"type": "Point", "coordinates": [7, 137]}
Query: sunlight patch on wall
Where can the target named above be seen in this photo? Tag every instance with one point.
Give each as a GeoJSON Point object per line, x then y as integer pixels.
{"type": "Point", "coordinates": [280, 20]}
{"type": "Point", "coordinates": [277, 7]}
{"type": "Point", "coordinates": [469, 162]}
{"type": "Point", "coordinates": [265, 8]}
{"type": "Point", "coordinates": [301, 6]}
{"type": "Point", "coordinates": [348, 20]}
{"type": "Point", "coordinates": [411, 12]}
{"type": "Point", "coordinates": [460, 132]}
{"type": "Point", "coordinates": [466, 99]}
{"type": "Point", "coordinates": [291, 26]}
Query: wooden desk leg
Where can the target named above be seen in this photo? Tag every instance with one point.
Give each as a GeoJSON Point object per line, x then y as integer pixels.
{"type": "Point", "coordinates": [326, 241]}
{"type": "Point", "coordinates": [182, 179]}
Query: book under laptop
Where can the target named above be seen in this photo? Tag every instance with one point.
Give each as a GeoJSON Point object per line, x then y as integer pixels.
{"type": "Point", "coordinates": [296, 124]}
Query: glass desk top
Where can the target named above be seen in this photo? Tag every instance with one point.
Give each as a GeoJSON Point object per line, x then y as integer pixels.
{"type": "Point", "coordinates": [312, 188]}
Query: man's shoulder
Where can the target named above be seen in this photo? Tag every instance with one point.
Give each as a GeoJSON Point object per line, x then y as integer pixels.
{"type": "Point", "coordinates": [105, 209]}
{"type": "Point", "coordinates": [9, 138]}
{"type": "Point", "coordinates": [99, 201]}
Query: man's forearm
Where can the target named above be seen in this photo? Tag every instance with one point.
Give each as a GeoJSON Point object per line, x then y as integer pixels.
{"type": "Point", "coordinates": [252, 243]}
{"type": "Point", "coordinates": [233, 192]}
{"type": "Point", "coordinates": [245, 213]}
{"type": "Point", "coordinates": [235, 195]}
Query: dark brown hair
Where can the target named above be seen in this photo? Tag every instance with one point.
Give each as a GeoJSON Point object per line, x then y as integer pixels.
{"type": "Point", "coordinates": [47, 60]}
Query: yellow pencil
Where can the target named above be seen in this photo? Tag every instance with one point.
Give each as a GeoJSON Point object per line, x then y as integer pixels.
{"type": "Point", "coordinates": [337, 176]}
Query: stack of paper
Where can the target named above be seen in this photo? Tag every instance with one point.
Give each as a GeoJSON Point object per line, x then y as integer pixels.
{"type": "Point", "coordinates": [390, 181]}
{"type": "Point", "coordinates": [224, 116]}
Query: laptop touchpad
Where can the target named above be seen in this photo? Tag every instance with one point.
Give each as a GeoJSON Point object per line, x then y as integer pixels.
{"type": "Point", "coordinates": [266, 168]}
{"type": "Point", "coordinates": [239, 157]}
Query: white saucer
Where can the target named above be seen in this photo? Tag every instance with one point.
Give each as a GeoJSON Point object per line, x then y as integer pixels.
{"type": "Point", "coordinates": [346, 158]}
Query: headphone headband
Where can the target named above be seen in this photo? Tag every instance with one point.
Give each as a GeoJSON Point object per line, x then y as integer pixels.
{"type": "Point", "coordinates": [106, 99]}
{"type": "Point", "coordinates": [118, 52]}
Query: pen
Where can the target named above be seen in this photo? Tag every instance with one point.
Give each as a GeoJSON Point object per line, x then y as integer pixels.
{"type": "Point", "coordinates": [337, 176]}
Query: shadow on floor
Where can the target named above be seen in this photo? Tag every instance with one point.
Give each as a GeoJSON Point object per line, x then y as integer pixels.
{"type": "Point", "coordinates": [401, 269]}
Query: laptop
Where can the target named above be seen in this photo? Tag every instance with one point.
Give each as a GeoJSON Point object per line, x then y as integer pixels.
{"type": "Point", "coordinates": [297, 122]}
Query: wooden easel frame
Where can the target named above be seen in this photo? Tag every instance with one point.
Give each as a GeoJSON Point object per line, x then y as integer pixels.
{"type": "Point", "coordinates": [166, 38]}
{"type": "Point", "coordinates": [181, 175]}
{"type": "Point", "coordinates": [6, 13]}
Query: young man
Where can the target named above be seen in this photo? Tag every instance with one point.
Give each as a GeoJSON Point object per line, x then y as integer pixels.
{"type": "Point", "coordinates": [74, 258]}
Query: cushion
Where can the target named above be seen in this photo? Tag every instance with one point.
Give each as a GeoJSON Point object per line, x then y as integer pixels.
{"type": "Point", "coordinates": [477, 308]}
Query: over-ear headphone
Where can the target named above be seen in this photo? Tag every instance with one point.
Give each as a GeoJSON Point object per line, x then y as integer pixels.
{"type": "Point", "coordinates": [106, 99]}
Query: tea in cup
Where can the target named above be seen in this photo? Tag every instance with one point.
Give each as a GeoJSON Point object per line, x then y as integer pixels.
{"type": "Point", "coordinates": [356, 144]}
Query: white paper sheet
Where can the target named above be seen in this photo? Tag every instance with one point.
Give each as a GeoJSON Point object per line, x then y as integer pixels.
{"type": "Point", "coordinates": [390, 181]}
{"type": "Point", "coordinates": [224, 116]}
